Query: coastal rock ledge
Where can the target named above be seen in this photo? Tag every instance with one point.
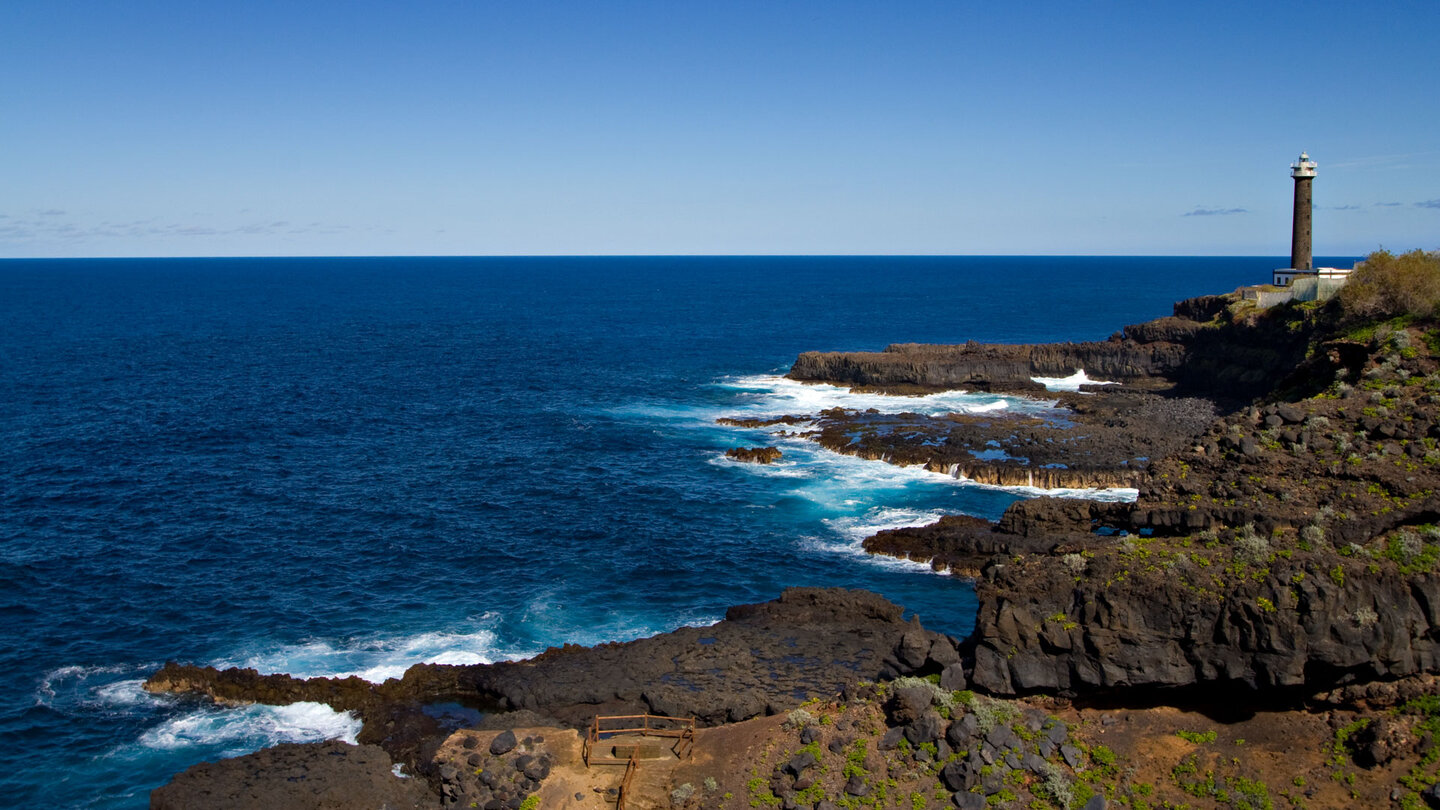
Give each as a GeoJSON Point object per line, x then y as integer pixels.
{"type": "Point", "coordinates": [762, 659]}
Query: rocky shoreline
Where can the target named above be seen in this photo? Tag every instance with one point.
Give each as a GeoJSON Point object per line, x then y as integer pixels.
{"type": "Point", "coordinates": [1282, 553]}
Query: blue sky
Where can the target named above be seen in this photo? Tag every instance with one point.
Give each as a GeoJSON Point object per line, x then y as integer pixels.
{"type": "Point", "coordinates": [476, 128]}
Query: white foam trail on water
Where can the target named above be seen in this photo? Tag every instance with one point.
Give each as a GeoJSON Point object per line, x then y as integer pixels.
{"type": "Point", "coordinates": [858, 527]}
{"type": "Point", "coordinates": [247, 728]}
{"type": "Point", "coordinates": [853, 529]}
{"type": "Point", "coordinates": [76, 674]}
{"type": "Point", "coordinates": [94, 686]}
{"type": "Point", "coordinates": [770, 395]}
{"type": "Point", "coordinates": [548, 610]}
{"type": "Point", "coordinates": [377, 659]}
{"type": "Point", "coordinates": [1071, 383]}
{"type": "Point", "coordinates": [126, 693]}
{"type": "Point", "coordinates": [775, 469]}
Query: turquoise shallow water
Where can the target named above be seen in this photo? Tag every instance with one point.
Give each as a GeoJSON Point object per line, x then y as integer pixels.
{"type": "Point", "coordinates": [337, 466]}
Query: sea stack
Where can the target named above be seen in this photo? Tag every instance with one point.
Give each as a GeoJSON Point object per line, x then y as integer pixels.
{"type": "Point", "coordinates": [1303, 170]}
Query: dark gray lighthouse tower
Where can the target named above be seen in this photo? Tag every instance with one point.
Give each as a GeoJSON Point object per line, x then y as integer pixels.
{"type": "Point", "coordinates": [1303, 170]}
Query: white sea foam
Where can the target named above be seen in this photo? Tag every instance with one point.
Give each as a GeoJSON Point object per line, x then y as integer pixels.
{"type": "Point", "coordinates": [1071, 383]}
{"type": "Point", "coordinates": [775, 469]}
{"type": "Point", "coordinates": [772, 395]}
{"type": "Point", "coordinates": [858, 527]}
{"type": "Point", "coordinates": [247, 728]}
{"type": "Point", "coordinates": [93, 686]}
{"type": "Point", "coordinates": [850, 531]}
{"type": "Point", "coordinates": [548, 610]}
{"type": "Point", "coordinates": [126, 693]}
{"type": "Point", "coordinates": [377, 659]}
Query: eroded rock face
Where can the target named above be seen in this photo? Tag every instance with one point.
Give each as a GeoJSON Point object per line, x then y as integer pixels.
{"type": "Point", "coordinates": [1196, 349]}
{"type": "Point", "coordinates": [963, 544]}
{"type": "Point", "coordinates": [1109, 627]}
{"type": "Point", "coordinates": [331, 775]}
{"type": "Point", "coordinates": [989, 367]}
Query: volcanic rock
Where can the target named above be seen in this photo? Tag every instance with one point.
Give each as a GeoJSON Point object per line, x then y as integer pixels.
{"type": "Point", "coordinates": [755, 455]}
{"type": "Point", "coordinates": [332, 775]}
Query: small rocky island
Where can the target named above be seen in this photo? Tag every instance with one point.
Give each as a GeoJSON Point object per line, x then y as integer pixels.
{"type": "Point", "coordinates": [1259, 629]}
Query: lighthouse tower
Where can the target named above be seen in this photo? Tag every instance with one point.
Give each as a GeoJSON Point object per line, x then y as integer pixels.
{"type": "Point", "coordinates": [1306, 281]}
{"type": "Point", "coordinates": [1303, 170]}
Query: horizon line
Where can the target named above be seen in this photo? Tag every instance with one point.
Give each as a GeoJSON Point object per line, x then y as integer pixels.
{"type": "Point", "coordinates": [677, 256]}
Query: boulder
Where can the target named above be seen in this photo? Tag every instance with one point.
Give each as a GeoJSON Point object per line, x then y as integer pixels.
{"type": "Point", "coordinates": [503, 743]}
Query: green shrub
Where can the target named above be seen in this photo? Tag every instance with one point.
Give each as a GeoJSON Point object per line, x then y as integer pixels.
{"type": "Point", "coordinates": [1390, 286]}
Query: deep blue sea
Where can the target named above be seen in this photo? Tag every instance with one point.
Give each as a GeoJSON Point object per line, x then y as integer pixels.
{"type": "Point", "coordinates": [347, 466]}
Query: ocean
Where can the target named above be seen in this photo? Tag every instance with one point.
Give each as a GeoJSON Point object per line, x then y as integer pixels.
{"type": "Point", "coordinates": [348, 466]}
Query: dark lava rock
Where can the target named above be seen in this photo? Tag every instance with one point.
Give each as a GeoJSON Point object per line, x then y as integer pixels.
{"type": "Point", "coordinates": [970, 801]}
{"type": "Point", "coordinates": [962, 731]}
{"type": "Point", "coordinates": [503, 743]}
{"type": "Point", "coordinates": [1057, 732]}
{"type": "Point", "coordinates": [907, 705]}
{"type": "Point", "coordinates": [537, 770]}
{"type": "Point", "coordinates": [926, 729]}
{"type": "Point", "coordinates": [914, 646]}
{"type": "Point", "coordinates": [809, 642]}
{"type": "Point", "coordinates": [1378, 742]}
{"type": "Point", "coordinates": [1155, 634]}
{"type": "Point", "coordinates": [801, 762]}
{"type": "Point", "coordinates": [891, 739]}
{"type": "Point", "coordinates": [944, 653]}
{"type": "Point", "coordinates": [755, 455]}
{"type": "Point", "coordinates": [952, 678]}
{"type": "Point", "coordinates": [956, 776]}
{"type": "Point", "coordinates": [855, 786]}
{"type": "Point", "coordinates": [1002, 738]}
{"type": "Point", "coordinates": [1291, 413]}
{"type": "Point", "coordinates": [333, 775]}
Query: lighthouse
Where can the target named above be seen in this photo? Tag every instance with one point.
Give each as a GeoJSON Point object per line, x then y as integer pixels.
{"type": "Point", "coordinates": [1303, 170]}
{"type": "Point", "coordinates": [1305, 281]}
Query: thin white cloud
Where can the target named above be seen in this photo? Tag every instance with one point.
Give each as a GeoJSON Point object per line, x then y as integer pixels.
{"type": "Point", "coordinates": [1215, 212]}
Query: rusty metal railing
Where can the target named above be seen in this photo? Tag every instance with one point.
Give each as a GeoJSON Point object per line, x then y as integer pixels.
{"type": "Point", "coordinates": [646, 725]}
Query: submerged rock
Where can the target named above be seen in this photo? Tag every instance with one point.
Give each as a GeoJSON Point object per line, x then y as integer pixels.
{"type": "Point", "coordinates": [755, 455]}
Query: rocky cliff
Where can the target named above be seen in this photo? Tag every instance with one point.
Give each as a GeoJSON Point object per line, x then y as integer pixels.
{"type": "Point", "coordinates": [987, 366]}
{"type": "Point", "coordinates": [1290, 545]}
{"type": "Point", "coordinates": [1146, 619]}
{"type": "Point", "coordinates": [1214, 346]}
